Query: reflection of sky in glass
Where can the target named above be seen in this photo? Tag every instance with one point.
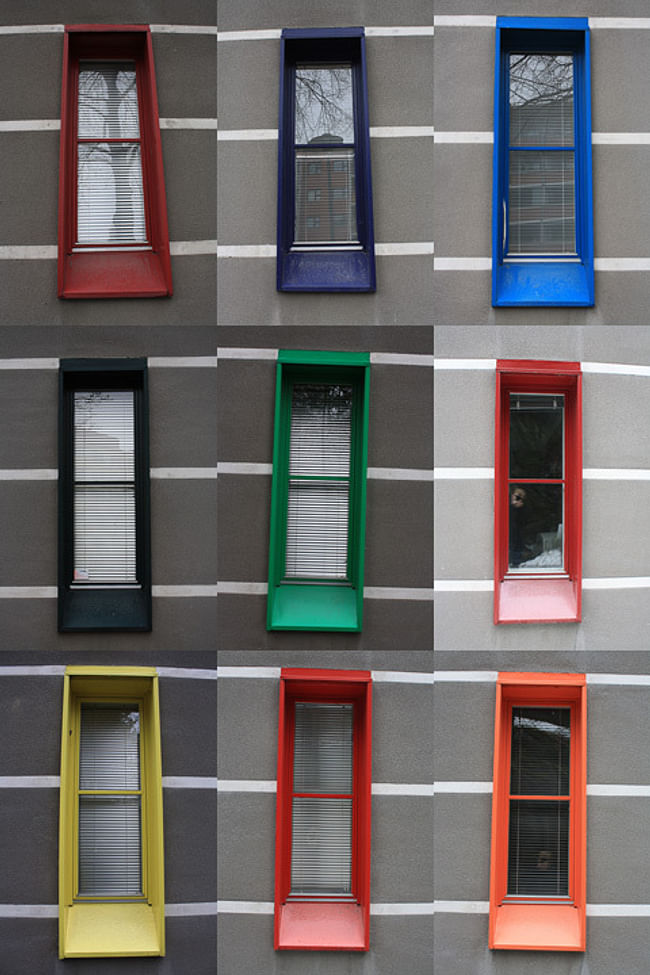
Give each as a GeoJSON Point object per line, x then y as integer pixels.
{"type": "Point", "coordinates": [324, 104]}
{"type": "Point", "coordinates": [541, 99]}
{"type": "Point", "coordinates": [104, 435]}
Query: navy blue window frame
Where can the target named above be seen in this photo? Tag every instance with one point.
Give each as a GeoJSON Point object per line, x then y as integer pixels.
{"type": "Point", "coordinates": [331, 268]}
{"type": "Point", "coordinates": [553, 280]}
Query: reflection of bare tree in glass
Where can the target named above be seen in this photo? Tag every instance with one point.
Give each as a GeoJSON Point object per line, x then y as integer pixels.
{"type": "Point", "coordinates": [541, 99]}
{"type": "Point", "coordinates": [324, 104]}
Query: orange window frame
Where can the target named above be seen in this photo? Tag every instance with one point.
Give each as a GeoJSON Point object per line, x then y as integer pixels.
{"type": "Point", "coordinates": [552, 597]}
{"type": "Point", "coordinates": [112, 271]}
{"type": "Point", "coordinates": [539, 923]}
{"type": "Point", "coordinates": [331, 924]}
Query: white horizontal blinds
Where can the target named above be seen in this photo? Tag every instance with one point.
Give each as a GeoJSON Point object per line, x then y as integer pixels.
{"type": "Point", "coordinates": [110, 197]}
{"type": "Point", "coordinates": [321, 845]}
{"type": "Point", "coordinates": [319, 481]}
{"type": "Point", "coordinates": [542, 154]}
{"type": "Point", "coordinates": [538, 847]}
{"type": "Point", "coordinates": [110, 846]}
{"type": "Point", "coordinates": [325, 201]}
{"type": "Point", "coordinates": [104, 487]}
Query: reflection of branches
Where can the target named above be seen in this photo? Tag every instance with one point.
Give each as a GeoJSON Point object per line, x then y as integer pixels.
{"type": "Point", "coordinates": [324, 104]}
{"type": "Point", "coordinates": [540, 79]}
{"type": "Point", "coordinates": [332, 400]}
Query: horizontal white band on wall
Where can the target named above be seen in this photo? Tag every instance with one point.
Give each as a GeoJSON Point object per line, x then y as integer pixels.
{"type": "Point", "coordinates": [246, 250]}
{"type": "Point", "coordinates": [469, 364]}
{"type": "Point", "coordinates": [54, 124]}
{"type": "Point", "coordinates": [461, 907]}
{"type": "Point", "coordinates": [190, 248]}
{"type": "Point", "coordinates": [588, 473]}
{"type": "Point", "coordinates": [187, 673]}
{"type": "Point", "coordinates": [593, 910]}
{"type": "Point", "coordinates": [463, 585]}
{"type": "Point", "coordinates": [188, 123]}
{"type": "Point", "coordinates": [182, 29]}
{"type": "Point", "coordinates": [233, 353]}
{"type": "Point", "coordinates": [396, 249]}
{"type": "Point", "coordinates": [631, 791]}
{"type": "Point", "coordinates": [597, 23]}
{"type": "Point", "coordinates": [601, 368]}
{"type": "Point", "coordinates": [247, 135]}
{"type": "Point", "coordinates": [265, 673]}
{"type": "Point", "coordinates": [269, 785]}
{"type": "Point", "coordinates": [400, 359]}
{"type": "Point", "coordinates": [28, 592]}
{"type": "Point", "coordinates": [184, 592]}
{"type": "Point", "coordinates": [274, 33]}
{"type": "Point", "coordinates": [189, 782]}
{"type": "Point", "coordinates": [464, 20]}
{"type": "Point", "coordinates": [462, 788]}
{"type": "Point", "coordinates": [183, 473]}
{"type": "Point", "coordinates": [199, 909]}
{"type": "Point", "coordinates": [182, 362]}
{"type": "Point", "coordinates": [398, 592]}
{"type": "Point", "coordinates": [48, 252]}
{"type": "Point", "coordinates": [487, 138]}
{"type": "Point", "coordinates": [462, 264]}
{"type": "Point", "coordinates": [402, 789]}
{"type": "Point", "coordinates": [267, 907]}
{"type": "Point", "coordinates": [418, 248]}
{"type": "Point", "coordinates": [33, 474]}
{"type": "Point", "coordinates": [29, 363]}
{"type": "Point", "coordinates": [474, 788]}
{"type": "Point", "coordinates": [30, 782]}
{"type": "Point", "coordinates": [425, 31]}
{"type": "Point", "coordinates": [621, 680]}
{"type": "Point", "coordinates": [33, 29]}
{"type": "Point", "coordinates": [401, 131]}
{"type": "Point", "coordinates": [393, 910]}
{"type": "Point", "coordinates": [246, 785]}
{"type": "Point", "coordinates": [399, 474]}
{"type": "Point", "coordinates": [487, 585]}
{"type": "Point", "coordinates": [463, 473]}
{"type": "Point", "coordinates": [58, 670]}
{"type": "Point", "coordinates": [227, 467]}
{"type": "Point", "coordinates": [271, 135]}
{"type": "Point", "coordinates": [490, 677]}
{"type": "Point", "coordinates": [35, 911]}
{"type": "Point", "coordinates": [242, 588]}
{"type": "Point", "coordinates": [273, 673]}
{"type": "Point", "coordinates": [478, 138]}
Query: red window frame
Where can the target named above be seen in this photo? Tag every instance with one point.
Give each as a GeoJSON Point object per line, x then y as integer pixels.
{"type": "Point", "coordinates": [539, 598]}
{"type": "Point", "coordinates": [93, 272]}
{"type": "Point", "coordinates": [538, 924]}
{"type": "Point", "coordinates": [317, 925]}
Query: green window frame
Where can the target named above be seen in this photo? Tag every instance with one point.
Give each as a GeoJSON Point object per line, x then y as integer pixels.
{"type": "Point", "coordinates": [330, 599]}
{"type": "Point", "coordinates": [122, 913]}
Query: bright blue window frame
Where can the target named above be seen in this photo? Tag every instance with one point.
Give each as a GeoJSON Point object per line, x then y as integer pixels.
{"type": "Point", "coordinates": [332, 268]}
{"type": "Point", "coordinates": [552, 281]}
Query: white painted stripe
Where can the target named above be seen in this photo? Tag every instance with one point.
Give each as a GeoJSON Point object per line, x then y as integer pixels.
{"type": "Point", "coordinates": [462, 263]}
{"type": "Point", "coordinates": [33, 29]}
{"type": "Point", "coordinates": [398, 592]}
{"type": "Point", "coordinates": [28, 592]}
{"type": "Point", "coordinates": [245, 907]}
{"type": "Point", "coordinates": [633, 791]}
{"type": "Point", "coordinates": [29, 363]}
{"type": "Point", "coordinates": [401, 789]}
{"type": "Point", "coordinates": [28, 252]}
{"type": "Point", "coordinates": [465, 676]}
{"type": "Point", "coordinates": [187, 673]}
{"type": "Point", "coordinates": [622, 264]}
{"type": "Point", "coordinates": [620, 680]}
{"type": "Point", "coordinates": [402, 677]}
{"type": "Point", "coordinates": [461, 907]}
{"type": "Point", "coordinates": [618, 910]}
{"type": "Point", "coordinates": [388, 910]}
{"type": "Point", "coordinates": [226, 467]}
{"type": "Point", "coordinates": [188, 123]}
{"type": "Point", "coordinates": [189, 782]}
{"type": "Point", "coordinates": [615, 369]}
{"type": "Point", "coordinates": [620, 23]}
{"type": "Point", "coordinates": [29, 910]}
{"type": "Point", "coordinates": [188, 248]}
{"type": "Point", "coordinates": [247, 250]}
{"type": "Point", "coordinates": [465, 20]}
{"type": "Point", "coordinates": [463, 473]}
{"type": "Point", "coordinates": [246, 135]}
{"type": "Point", "coordinates": [200, 909]}
{"type": "Point", "coordinates": [463, 788]}
{"type": "Point", "coordinates": [273, 34]}
{"type": "Point", "coordinates": [48, 670]}
{"type": "Point", "coordinates": [401, 131]}
{"type": "Point", "coordinates": [226, 353]}
{"type": "Point", "coordinates": [246, 785]}
{"type": "Point", "coordinates": [271, 673]}
{"type": "Point", "coordinates": [30, 782]}
{"type": "Point", "coordinates": [616, 474]}
{"type": "Point", "coordinates": [183, 362]}
{"type": "Point", "coordinates": [620, 582]}
{"type": "Point", "coordinates": [182, 29]}
{"type": "Point", "coordinates": [489, 364]}
{"type": "Point", "coordinates": [424, 31]}
{"type": "Point", "coordinates": [399, 474]}
{"type": "Point", "coordinates": [463, 137]}
{"type": "Point", "coordinates": [399, 359]}
{"type": "Point", "coordinates": [34, 474]}
{"type": "Point", "coordinates": [463, 585]}
{"type": "Point", "coordinates": [183, 592]}
{"type": "Point", "coordinates": [31, 125]}
{"type": "Point", "coordinates": [402, 249]}
{"type": "Point", "coordinates": [620, 138]}
{"type": "Point", "coordinates": [183, 473]}
{"type": "Point", "coordinates": [242, 588]}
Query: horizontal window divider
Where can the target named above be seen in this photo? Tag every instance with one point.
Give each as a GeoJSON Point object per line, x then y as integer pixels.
{"type": "Point", "coordinates": [273, 673]}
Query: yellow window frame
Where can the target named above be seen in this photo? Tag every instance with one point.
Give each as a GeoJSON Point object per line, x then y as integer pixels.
{"type": "Point", "coordinates": [98, 927]}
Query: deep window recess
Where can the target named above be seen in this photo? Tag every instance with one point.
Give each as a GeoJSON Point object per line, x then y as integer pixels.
{"type": "Point", "coordinates": [113, 238]}
{"type": "Point", "coordinates": [538, 889]}
{"type": "Point", "coordinates": [543, 236]}
{"type": "Point", "coordinates": [325, 236]}
{"type": "Point", "coordinates": [318, 496]}
{"type": "Point", "coordinates": [323, 810]}
{"type": "Point", "coordinates": [111, 892]}
{"type": "Point", "coordinates": [104, 563]}
{"type": "Point", "coordinates": [538, 470]}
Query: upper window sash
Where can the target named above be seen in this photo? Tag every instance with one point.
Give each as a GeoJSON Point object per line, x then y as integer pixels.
{"type": "Point", "coordinates": [325, 235]}
{"type": "Point", "coordinates": [542, 199]}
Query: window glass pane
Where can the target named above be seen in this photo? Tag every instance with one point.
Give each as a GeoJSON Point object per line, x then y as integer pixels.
{"type": "Point", "coordinates": [541, 202]}
{"type": "Point", "coordinates": [110, 861]}
{"type": "Point", "coordinates": [536, 526]}
{"type": "Point", "coordinates": [539, 764]}
{"type": "Point", "coordinates": [323, 108]}
{"type": "Point", "coordinates": [538, 848]}
{"type": "Point", "coordinates": [321, 844]}
{"type": "Point", "coordinates": [317, 530]}
{"type": "Point", "coordinates": [108, 100]}
{"type": "Point", "coordinates": [536, 435]}
{"type": "Point", "coordinates": [104, 435]}
{"type": "Point", "coordinates": [322, 753]}
{"type": "Point", "coordinates": [325, 198]}
{"type": "Point", "coordinates": [104, 534]}
{"type": "Point", "coordinates": [110, 198]}
{"type": "Point", "coordinates": [109, 750]}
{"type": "Point", "coordinates": [321, 425]}
{"type": "Point", "coordinates": [541, 99]}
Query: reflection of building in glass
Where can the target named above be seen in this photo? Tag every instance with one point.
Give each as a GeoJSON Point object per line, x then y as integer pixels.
{"type": "Point", "coordinates": [325, 194]}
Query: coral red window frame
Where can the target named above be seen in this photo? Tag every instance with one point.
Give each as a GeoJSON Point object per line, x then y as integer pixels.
{"type": "Point", "coordinates": [538, 924]}
{"type": "Point", "coordinates": [112, 272]}
{"type": "Point", "coordinates": [539, 598]}
{"type": "Point", "coordinates": [333, 925]}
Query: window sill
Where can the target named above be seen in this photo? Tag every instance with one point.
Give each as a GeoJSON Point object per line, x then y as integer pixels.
{"type": "Point", "coordinates": [314, 607]}
{"type": "Point", "coordinates": [87, 609]}
{"type": "Point", "coordinates": [313, 927]}
{"type": "Point", "coordinates": [341, 270]}
{"type": "Point", "coordinates": [115, 274]}
{"type": "Point", "coordinates": [110, 930]}
{"type": "Point", "coordinates": [539, 927]}
{"type": "Point", "coordinates": [553, 283]}
{"type": "Point", "coordinates": [537, 601]}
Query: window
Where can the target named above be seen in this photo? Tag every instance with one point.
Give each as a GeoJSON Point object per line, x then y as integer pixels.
{"type": "Point", "coordinates": [113, 237]}
{"type": "Point", "coordinates": [322, 852]}
{"type": "Point", "coordinates": [538, 492]}
{"type": "Point", "coordinates": [111, 888]}
{"type": "Point", "coordinates": [319, 491]}
{"type": "Point", "coordinates": [542, 208]}
{"type": "Point", "coordinates": [325, 230]}
{"type": "Point", "coordinates": [538, 858]}
{"type": "Point", "coordinates": [104, 547]}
